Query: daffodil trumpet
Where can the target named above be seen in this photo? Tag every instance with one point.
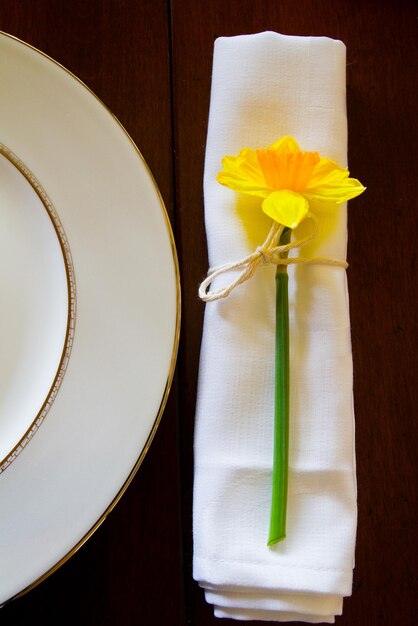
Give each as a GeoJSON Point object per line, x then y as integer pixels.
{"type": "Point", "coordinates": [293, 185]}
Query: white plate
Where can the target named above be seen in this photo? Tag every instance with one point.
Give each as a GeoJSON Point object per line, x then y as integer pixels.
{"type": "Point", "coordinates": [89, 313]}
{"type": "Point", "coordinates": [38, 308]}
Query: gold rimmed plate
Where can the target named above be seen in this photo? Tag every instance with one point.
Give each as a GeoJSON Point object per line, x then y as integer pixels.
{"type": "Point", "coordinates": [38, 305]}
{"type": "Point", "coordinates": [90, 313]}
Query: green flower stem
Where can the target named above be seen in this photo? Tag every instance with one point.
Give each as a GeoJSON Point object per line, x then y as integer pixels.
{"type": "Point", "coordinates": [277, 530]}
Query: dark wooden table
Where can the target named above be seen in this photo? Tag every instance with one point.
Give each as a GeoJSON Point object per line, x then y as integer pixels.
{"type": "Point", "coordinates": [150, 62]}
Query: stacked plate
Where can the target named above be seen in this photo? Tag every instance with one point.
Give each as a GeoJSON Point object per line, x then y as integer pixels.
{"type": "Point", "coordinates": [89, 313]}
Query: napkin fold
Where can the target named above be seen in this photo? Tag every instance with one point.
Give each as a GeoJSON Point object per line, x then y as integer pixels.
{"type": "Point", "coordinates": [265, 86]}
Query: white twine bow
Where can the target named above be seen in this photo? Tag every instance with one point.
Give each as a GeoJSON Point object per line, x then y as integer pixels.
{"type": "Point", "coordinates": [269, 252]}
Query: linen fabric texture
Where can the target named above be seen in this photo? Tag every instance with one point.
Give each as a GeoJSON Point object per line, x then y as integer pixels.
{"type": "Point", "coordinates": [265, 86]}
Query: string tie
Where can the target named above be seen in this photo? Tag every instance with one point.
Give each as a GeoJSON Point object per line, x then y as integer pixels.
{"type": "Point", "coordinates": [271, 251]}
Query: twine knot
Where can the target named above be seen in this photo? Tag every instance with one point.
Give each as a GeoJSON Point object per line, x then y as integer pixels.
{"type": "Point", "coordinates": [271, 251]}
{"type": "Point", "coordinates": [264, 254]}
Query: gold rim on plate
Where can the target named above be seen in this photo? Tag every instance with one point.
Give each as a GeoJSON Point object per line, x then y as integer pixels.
{"type": "Point", "coordinates": [170, 376]}
{"type": "Point", "coordinates": [71, 307]}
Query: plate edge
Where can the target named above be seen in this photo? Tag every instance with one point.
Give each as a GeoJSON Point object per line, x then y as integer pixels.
{"type": "Point", "coordinates": [176, 337]}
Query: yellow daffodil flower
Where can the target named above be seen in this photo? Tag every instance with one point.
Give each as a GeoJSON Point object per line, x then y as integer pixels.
{"type": "Point", "coordinates": [288, 179]}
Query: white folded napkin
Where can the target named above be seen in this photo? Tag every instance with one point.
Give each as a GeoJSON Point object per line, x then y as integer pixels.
{"type": "Point", "coordinates": [266, 86]}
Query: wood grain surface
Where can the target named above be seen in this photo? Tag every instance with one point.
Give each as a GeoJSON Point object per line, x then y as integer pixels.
{"type": "Point", "coordinates": [150, 62]}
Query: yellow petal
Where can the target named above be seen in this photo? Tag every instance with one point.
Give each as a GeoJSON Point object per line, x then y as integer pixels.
{"type": "Point", "coordinates": [285, 145]}
{"type": "Point", "coordinates": [323, 169]}
{"type": "Point", "coordinates": [331, 183]}
{"type": "Point", "coordinates": [286, 207]}
{"type": "Point", "coordinates": [243, 173]}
